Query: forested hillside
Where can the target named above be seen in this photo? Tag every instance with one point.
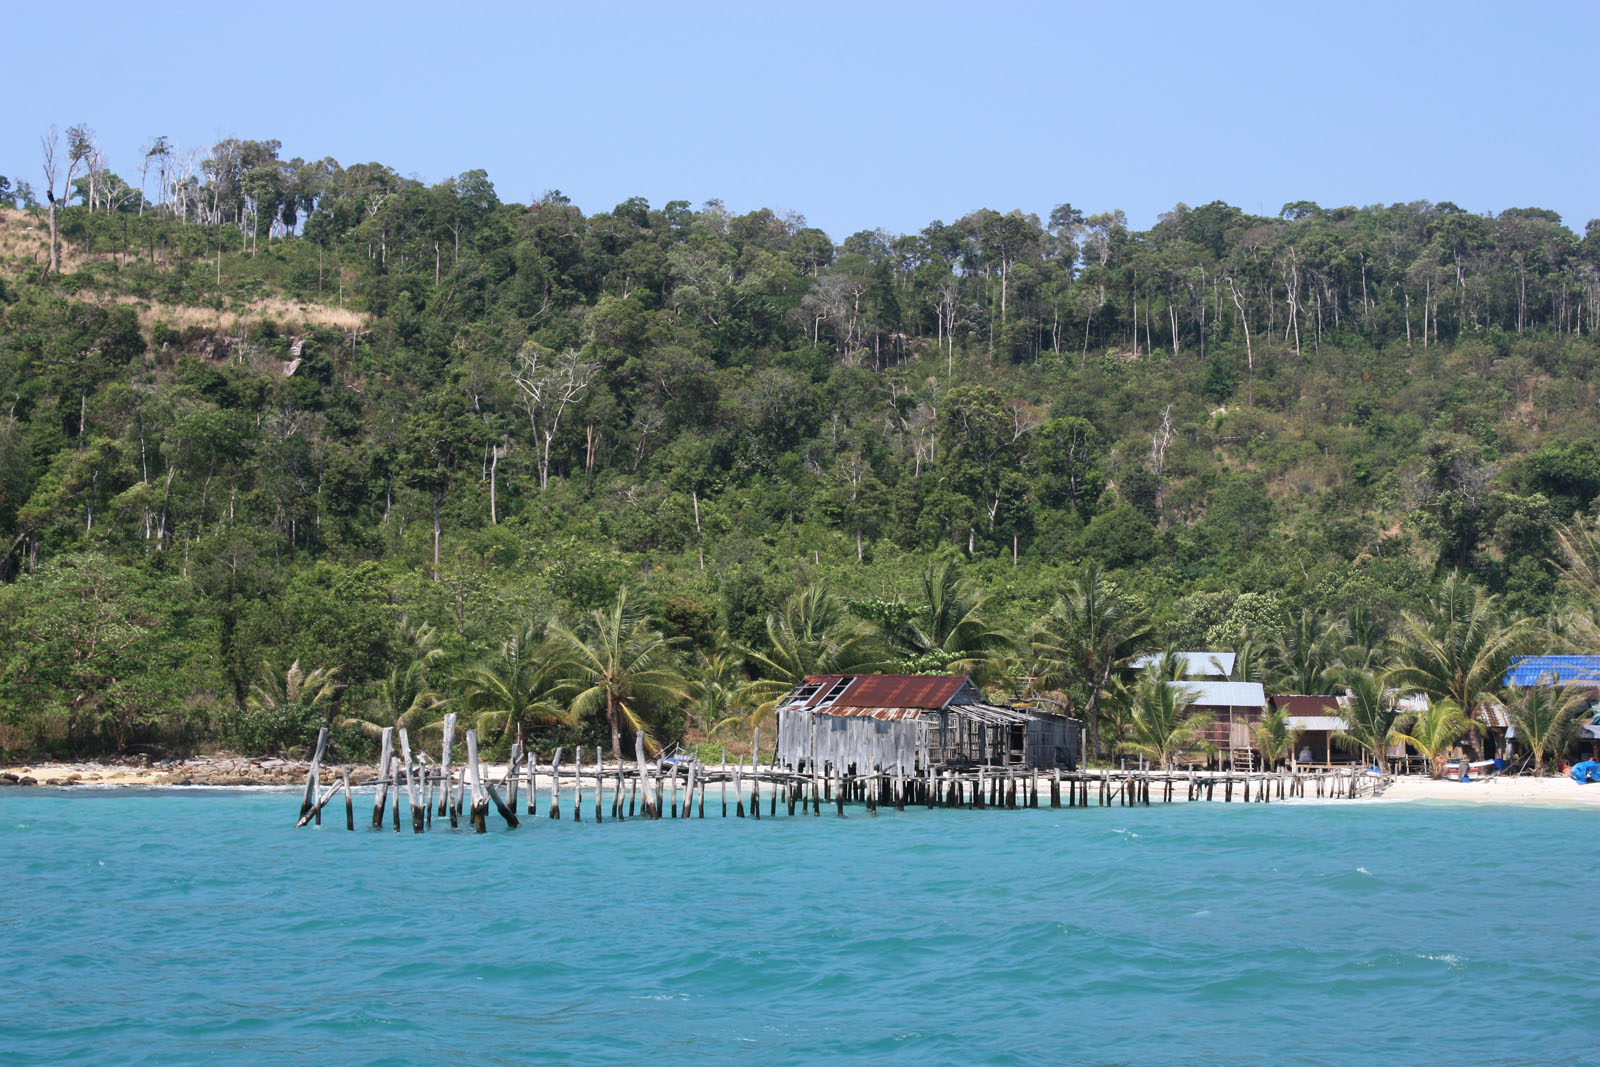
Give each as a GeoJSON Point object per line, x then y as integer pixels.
{"type": "Point", "coordinates": [258, 412]}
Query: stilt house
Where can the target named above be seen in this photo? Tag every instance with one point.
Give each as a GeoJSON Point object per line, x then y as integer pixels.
{"type": "Point", "coordinates": [915, 722]}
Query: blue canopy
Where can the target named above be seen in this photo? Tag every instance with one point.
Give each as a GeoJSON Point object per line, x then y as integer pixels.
{"type": "Point", "coordinates": [1563, 670]}
{"type": "Point", "coordinates": [1587, 771]}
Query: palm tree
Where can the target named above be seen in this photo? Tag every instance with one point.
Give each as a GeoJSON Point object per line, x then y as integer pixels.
{"type": "Point", "coordinates": [1370, 711]}
{"type": "Point", "coordinates": [1090, 631]}
{"type": "Point", "coordinates": [717, 688]}
{"type": "Point", "coordinates": [950, 629]}
{"type": "Point", "coordinates": [812, 634]}
{"type": "Point", "coordinates": [1433, 732]}
{"type": "Point", "coordinates": [308, 689]}
{"type": "Point", "coordinates": [406, 697]}
{"type": "Point", "coordinates": [1302, 654]}
{"type": "Point", "coordinates": [1162, 728]}
{"type": "Point", "coordinates": [1274, 737]}
{"type": "Point", "coordinates": [515, 688]}
{"type": "Point", "coordinates": [1460, 647]}
{"type": "Point", "coordinates": [286, 704]}
{"type": "Point", "coordinates": [1546, 717]}
{"type": "Point", "coordinates": [621, 658]}
{"type": "Point", "coordinates": [1363, 639]}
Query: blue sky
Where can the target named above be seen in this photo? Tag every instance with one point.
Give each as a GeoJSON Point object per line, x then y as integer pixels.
{"type": "Point", "coordinates": [856, 115]}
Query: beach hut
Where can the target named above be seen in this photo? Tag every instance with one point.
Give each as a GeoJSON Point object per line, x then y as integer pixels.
{"type": "Point", "coordinates": [1315, 719]}
{"type": "Point", "coordinates": [1234, 707]}
{"type": "Point", "coordinates": [1576, 673]}
{"type": "Point", "coordinates": [916, 722]}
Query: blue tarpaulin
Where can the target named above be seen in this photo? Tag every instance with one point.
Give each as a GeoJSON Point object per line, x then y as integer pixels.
{"type": "Point", "coordinates": [1557, 670]}
{"type": "Point", "coordinates": [1587, 771]}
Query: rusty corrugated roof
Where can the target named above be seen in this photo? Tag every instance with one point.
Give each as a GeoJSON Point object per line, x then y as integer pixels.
{"type": "Point", "coordinates": [924, 691]}
{"type": "Point", "coordinates": [1493, 716]}
{"type": "Point", "coordinates": [883, 714]}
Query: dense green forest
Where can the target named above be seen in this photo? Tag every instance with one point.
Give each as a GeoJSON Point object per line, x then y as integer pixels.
{"type": "Point", "coordinates": [287, 442]}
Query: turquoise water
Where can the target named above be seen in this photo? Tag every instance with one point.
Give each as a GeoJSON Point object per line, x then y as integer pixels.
{"type": "Point", "coordinates": [171, 927]}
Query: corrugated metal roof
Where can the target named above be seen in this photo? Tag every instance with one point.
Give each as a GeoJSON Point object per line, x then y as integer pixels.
{"type": "Point", "coordinates": [926, 691]}
{"type": "Point", "coordinates": [1303, 705]}
{"type": "Point", "coordinates": [1493, 716]}
{"type": "Point", "coordinates": [1195, 664]}
{"type": "Point", "coordinates": [1225, 694]}
{"type": "Point", "coordinates": [1318, 722]}
{"type": "Point", "coordinates": [1566, 670]}
{"type": "Point", "coordinates": [882, 714]}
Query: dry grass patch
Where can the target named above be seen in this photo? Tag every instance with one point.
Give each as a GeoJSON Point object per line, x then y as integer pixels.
{"type": "Point", "coordinates": [290, 313]}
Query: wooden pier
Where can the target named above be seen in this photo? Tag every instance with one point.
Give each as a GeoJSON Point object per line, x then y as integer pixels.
{"type": "Point", "coordinates": [677, 789]}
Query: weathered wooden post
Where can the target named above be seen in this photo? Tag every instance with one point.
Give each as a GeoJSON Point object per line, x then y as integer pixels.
{"type": "Point", "coordinates": [530, 767]}
{"type": "Point", "coordinates": [314, 776]}
{"type": "Point", "coordinates": [513, 772]}
{"type": "Point", "coordinates": [555, 784]}
{"type": "Point", "coordinates": [641, 783]}
{"type": "Point", "coordinates": [411, 783]}
{"type": "Point", "coordinates": [382, 799]}
{"type": "Point", "coordinates": [738, 793]}
{"type": "Point", "coordinates": [616, 797]}
{"type": "Point", "coordinates": [349, 803]}
{"type": "Point", "coordinates": [479, 815]}
{"type": "Point", "coordinates": [577, 783]}
{"type": "Point", "coordinates": [444, 761]}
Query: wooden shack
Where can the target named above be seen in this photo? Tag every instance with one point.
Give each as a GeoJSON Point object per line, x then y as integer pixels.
{"type": "Point", "coordinates": [1235, 708]}
{"type": "Point", "coordinates": [916, 722]}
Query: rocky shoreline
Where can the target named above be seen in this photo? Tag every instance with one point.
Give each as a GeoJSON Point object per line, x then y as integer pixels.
{"type": "Point", "coordinates": [200, 770]}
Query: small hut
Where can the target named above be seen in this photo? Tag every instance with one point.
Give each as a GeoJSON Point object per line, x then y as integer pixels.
{"type": "Point", "coordinates": [1315, 720]}
{"type": "Point", "coordinates": [1234, 707]}
{"type": "Point", "coordinates": [1579, 675]}
{"type": "Point", "coordinates": [916, 722]}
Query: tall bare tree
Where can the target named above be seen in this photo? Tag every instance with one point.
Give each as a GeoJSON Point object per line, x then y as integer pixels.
{"type": "Point", "coordinates": [549, 386]}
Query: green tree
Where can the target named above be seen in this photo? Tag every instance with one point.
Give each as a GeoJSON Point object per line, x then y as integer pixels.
{"type": "Point", "coordinates": [406, 697]}
{"type": "Point", "coordinates": [286, 708]}
{"type": "Point", "coordinates": [812, 634]}
{"type": "Point", "coordinates": [1274, 737]}
{"type": "Point", "coordinates": [619, 659]}
{"type": "Point", "coordinates": [1092, 629]}
{"type": "Point", "coordinates": [1459, 647]}
{"type": "Point", "coordinates": [1434, 732]}
{"type": "Point", "coordinates": [1546, 718]}
{"type": "Point", "coordinates": [522, 684]}
{"type": "Point", "coordinates": [1162, 729]}
{"type": "Point", "coordinates": [1370, 710]}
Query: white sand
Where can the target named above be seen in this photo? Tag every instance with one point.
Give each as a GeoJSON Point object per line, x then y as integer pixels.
{"type": "Point", "coordinates": [1518, 790]}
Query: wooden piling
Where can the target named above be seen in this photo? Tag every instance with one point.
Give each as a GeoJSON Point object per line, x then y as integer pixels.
{"type": "Point", "coordinates": [349, 803]}
{"type": "Point", "coordinates": [313, 777]}
{"type": "Point", "coordinates": [382, 798]}
{"type": "Point", "coordinates": [411, 783]}
{"type": "Point", "coordinates": [444, 762]}
{"type": "Point", "coordinates": [530, 767]}
{"type": "Point", "coordinates": [577, 784]}
{"type": "Point", "coordinates": [480, 807]}
{"type": "Point", "coordinates": [512, 773]}
{"type": "Point", "coordinates": [639, 780]}
{"type": "Point", "coordinates": [555, 784]}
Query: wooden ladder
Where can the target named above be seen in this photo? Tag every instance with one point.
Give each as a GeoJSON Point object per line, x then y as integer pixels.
{"type": "Point", "coordinates": [1243, 759]}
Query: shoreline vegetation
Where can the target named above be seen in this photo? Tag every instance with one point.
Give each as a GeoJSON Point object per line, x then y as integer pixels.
{"type": "Point", "coordinates": [286, 445]}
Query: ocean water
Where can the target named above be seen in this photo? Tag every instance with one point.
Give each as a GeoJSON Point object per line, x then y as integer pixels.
{"type": "Point", "coordinates": [191, 925]}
